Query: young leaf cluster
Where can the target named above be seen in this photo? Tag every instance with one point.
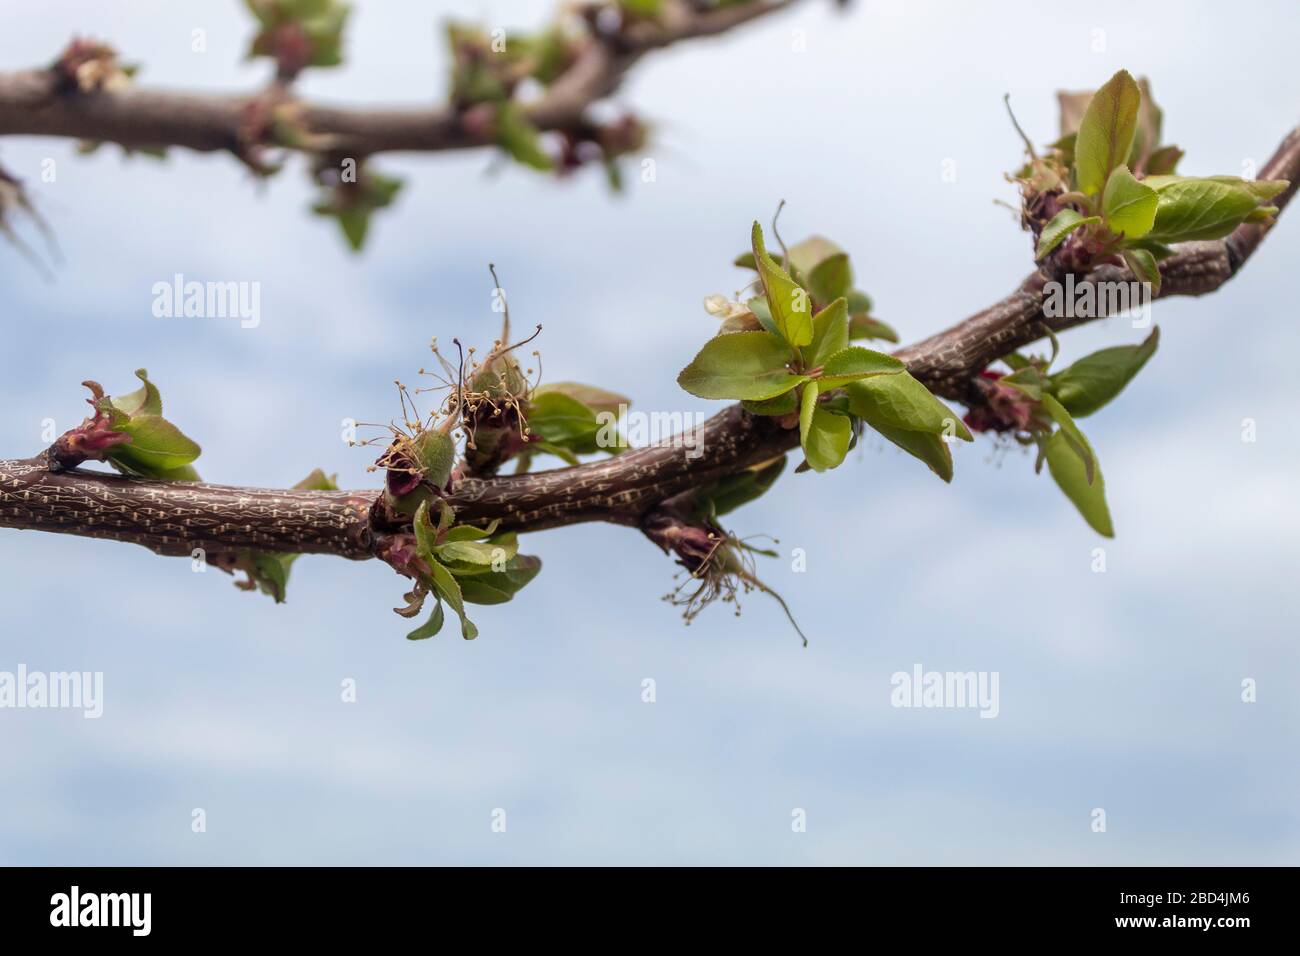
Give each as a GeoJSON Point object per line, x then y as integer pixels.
{"type": "Point", "coordinates": [145, 444]}
{"type": "Point", "coordinates": [1116, 194]}
{"type": "Point", "coordinates": [787, 354]}
{"type": "Point", "coordinates": [460, 564]}
{"type": "Point", "coordinates": [298, 33]}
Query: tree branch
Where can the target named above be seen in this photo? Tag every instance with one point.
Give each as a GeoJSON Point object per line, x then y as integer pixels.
{"type": "Point", "coordinates": [949, 361]}
{"type": "Point", "coordinates": [37, 103]}
{"type": "Point", "coordinates": [176, 517]}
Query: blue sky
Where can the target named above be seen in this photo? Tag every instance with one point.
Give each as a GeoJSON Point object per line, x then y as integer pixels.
{"type": "Point", "coordinates": [1118, 690]}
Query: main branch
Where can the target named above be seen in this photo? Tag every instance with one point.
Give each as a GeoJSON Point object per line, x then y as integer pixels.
{"type": "Point", "coordinates": [638, 488]}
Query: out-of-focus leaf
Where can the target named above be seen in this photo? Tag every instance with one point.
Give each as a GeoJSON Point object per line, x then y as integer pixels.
{"type": "Point", "coordinates": [1163, 161]}
{"type": "Point", "coordinates": [865, 327]}
{"type": "Point", "coordinates": [518, 137]}
{"type": "Point", "coordinates": [597, 399]}
{"type": "Point", "coordinates": [735, 490]}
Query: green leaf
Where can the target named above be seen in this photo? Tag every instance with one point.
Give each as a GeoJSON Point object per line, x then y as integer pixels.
{"type": "Point", "coordinates": [789, 303]}
{"type": "Point", "coordinates": [1068, 470]}
{"type": "Point", "coordinates": [1192, 209]}
{"type": "Point", "coordinates": [1163, 161]}
{"type": "Point", "coordinates": [263, 11]}
{"type": "Point", "coordinates": [859, 303]}
{"type": "Point", "coordinates": [156, 446]}
{"type": "Point", "coordinates": [355, 223]}
{"type": "Point", "coordinates": [900, 401]}
{"type": "Point", "coordinates": [804, 257]}
{"type": "Point", "coordinates": [1028, 380]}
{"type": "Point", "coordinates": [321, 22]}
{"type": "Point", "coordinates": [807, 405]}
{"type": "Point", "coordinates": [1161, 182]}
{"type": "Point", "coordinates": [352, 205]}
{"type": "Point", "coordinates": [824, 436]}
{"type": "Point", "coordinates": [1129, 206]}
{"type": "Point", "coordinates": [271, 573]}
{"type": "Point", "coordinates": [781, 405]}
{"type": "Point", "coordinates": [855, 363]}
{"type": "Point", "coordinates": [1106, 132]}
{"type": "Point", "coordinates": [1261, 189]}
{"type": "Point", "coordinates": [1147, 131]}
{"type": "Point", "coordinates": [465, 532]}
{"type": "Point", "coordinates": [1143, 265]}
{"type": "Point", "coordinates": [830, 278]}
{"type": "Point", "coordinates": [518, 137]}
{"type": "Point", "coordinates": [1262, 214]}
{"type": "Point", "coordinates": [1095, 379]}
{"type": "Point", "coordinates": [597, 399]}
{"type": "Point", "coordinates": [1060, 226]}
{"type": "Point", "coordinates": [1065, 146]}
{"type": "Point", "coordinates": [145, 400]}
{"type": "Point", "coordinates": [929, 448]}
{"type": "Point", "coordinates": [758, 305]}
{"type": "Point", "coordinates": [478, 552]}
{"type": "Point", "coordinates": [1072, 435]}
{"type": "Point", "coordinates": [426, 538]}
{"type": "Point", "coordinates": [741, 365]}
{"type": "Point", "coordinates": [1159, 251]}
{"type": "Point", "coordinates": [318, 481]}
{"type": "Point", "coordinates": [183, 473]}
{"type": "Point", "coordinates": [830, 332]}
{"type": "Point", "coordinates": [865, 327]}
{"type": "Point", "coordinates": [444, 582]}
{"type": "Point", "coordinates": [430, 627]}
{"type": "Point", "coordinates": [498, 587]}
{"type": "Point", "coordinates": [731, 492]}
{"type": "Point", "coordinates": [1015, 361]}
{"type": "Point", "coordinates": [644, 8]}
{"type": "Point", "coordinates": [563, 422]}
{"type": "Point", "coordinates": [446, 516]}
{"type": "Point", "coordinates": [547, 448]}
